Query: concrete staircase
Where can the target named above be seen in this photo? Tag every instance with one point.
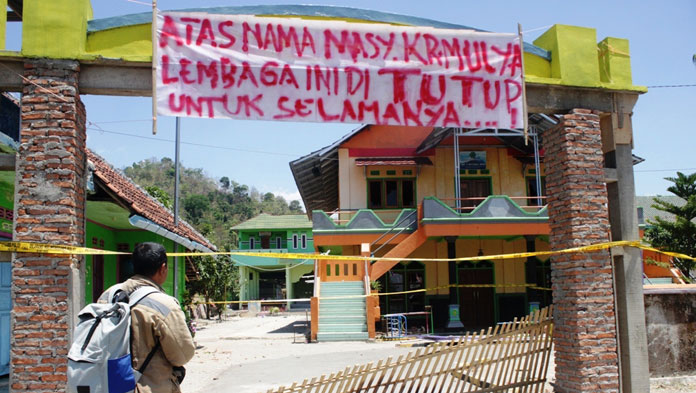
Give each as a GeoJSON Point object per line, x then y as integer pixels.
{"type": "Point", "coordinates": [342, 319]}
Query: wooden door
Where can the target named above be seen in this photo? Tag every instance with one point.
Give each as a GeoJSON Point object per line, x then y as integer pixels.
{"type": "Point", "coordinates": [97, 276]}
{"type": "Point", "coordinates": [476, 305]}
{"type": "Point", "coordinates": [474, 188]}
{"type": "Point", "coordinates": [266, 242]}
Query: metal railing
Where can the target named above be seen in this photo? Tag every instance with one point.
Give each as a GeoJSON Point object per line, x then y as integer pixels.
{"type": "Point", "coordinates": [396, 225]}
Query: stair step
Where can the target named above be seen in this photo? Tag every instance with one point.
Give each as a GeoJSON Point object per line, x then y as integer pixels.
{"type": "Point", "coordinates": [342, 292]}
{"type": "Point", "coordinates": [342, 336]}
{"type": "Point", "coordinates": [346, 313]}
{"type": "Point", "coordinates": [344, 328]}
{"type": "Point", "coordinates": [332, 299]}
{"type": "Point", "coordinates": [333, 320]}
{"type": "Point", "coordinates": [338, 307]}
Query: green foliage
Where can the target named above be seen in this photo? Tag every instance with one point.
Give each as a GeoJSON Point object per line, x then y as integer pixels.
{"type": "Point", "coordinates": [678, 235]}
{"type": "Point", "coordinates": [160, 195]}
{"type": "Point", "coordinates": [219, 279]}
{"type": "Point", "coordinates": [211, 206]}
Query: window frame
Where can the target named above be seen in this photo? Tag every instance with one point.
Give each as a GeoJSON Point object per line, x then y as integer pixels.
{"type": "Point", "coordinates": [399, 192]}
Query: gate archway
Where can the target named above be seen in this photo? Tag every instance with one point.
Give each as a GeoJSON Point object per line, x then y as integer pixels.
{"type": "Point", "coordinates": [589, 169]}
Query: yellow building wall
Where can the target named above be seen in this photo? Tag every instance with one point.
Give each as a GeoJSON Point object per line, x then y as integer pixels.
{"type": "Point", "coordinates": [506, 272]}
{"type": "Point", "coordinates": [508, 176]}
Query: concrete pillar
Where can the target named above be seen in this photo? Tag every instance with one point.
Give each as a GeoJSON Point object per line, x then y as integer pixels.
{"type": "Point", "coordinates": [288, 286]}
{"type": "Point", "coordinates": [628, 265]}
{"type": "Point", "coordinates": [585, 339]}
{"type": "Point", "coordinates": [454, 321]}
{"type": "Point", "coordinates": [47, 290]}
{"type": "Point", "coordinates": [243, 284]}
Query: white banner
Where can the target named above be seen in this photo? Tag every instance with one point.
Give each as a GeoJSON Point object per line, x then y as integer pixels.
{"type": "Point", "coordinates": [247, 67]}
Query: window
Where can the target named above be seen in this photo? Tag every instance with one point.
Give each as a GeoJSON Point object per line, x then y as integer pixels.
{"type": "Point", "coordinates": [531, 186]}
{"type": "Point", "coordinates": [279, 242]}
{"type": "Point", "coordinates": [294, 241]}
{"type": "Point", "coordinates": [391, 193]}
{"type": "Point", "coordinates": [403, 277]}
{"type": "Point", "coordinates": [252, 243]}
{"type": "Point", "coordinates": [304, 241]}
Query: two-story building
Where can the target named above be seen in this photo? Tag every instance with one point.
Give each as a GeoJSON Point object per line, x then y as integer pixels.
{"type": "Point", "coordinates": [275, 278]}
{"type": "Point", "coordinates": [423, 192]}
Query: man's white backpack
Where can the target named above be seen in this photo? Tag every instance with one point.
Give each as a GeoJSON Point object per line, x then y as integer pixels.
{"type": "Point", "coordinates": [99, 359]}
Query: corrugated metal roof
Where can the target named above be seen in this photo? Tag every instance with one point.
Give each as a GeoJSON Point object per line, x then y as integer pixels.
{"type": "Point", "coordinates": [650, 213]}
{"type": "Point", "coordinates": [267, 221]}
{"type": "Point", "coordinates": [316, 175]}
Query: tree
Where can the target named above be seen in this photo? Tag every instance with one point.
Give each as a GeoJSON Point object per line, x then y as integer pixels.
{"type": "Point", "coordinates": [678, 235]}
{"type": "Point", "coordinates": [295, 206]}
{"type": "Point", "coordinates": [225, 183]}
{"type": "Point", "coordinates": [196, 206]}
{"type": "Point", "coordinates": [219, 279]}
{"type": "Point", "coordinates": [160, 195]}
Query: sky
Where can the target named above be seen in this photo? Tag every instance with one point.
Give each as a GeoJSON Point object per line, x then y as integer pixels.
{"type": "Point", "coordinates": [662, 42]}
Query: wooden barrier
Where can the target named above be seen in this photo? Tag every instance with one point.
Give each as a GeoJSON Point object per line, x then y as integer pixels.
{"type": "Point", "coordinates": [508, 357]}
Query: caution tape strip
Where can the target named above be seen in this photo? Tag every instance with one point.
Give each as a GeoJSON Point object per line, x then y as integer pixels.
{"type": "Point", "coordinates": [44, 248]}
{"type": "Point", "coordinates": [530, 286]}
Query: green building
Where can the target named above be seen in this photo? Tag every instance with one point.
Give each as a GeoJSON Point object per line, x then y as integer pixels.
{"type": "Point", "coordinates": [120, 214]}
{"type": "Point", "coordinates": [275, 278]}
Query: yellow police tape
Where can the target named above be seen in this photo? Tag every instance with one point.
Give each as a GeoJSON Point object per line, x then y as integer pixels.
{"type": "Point", "coordinates": [277, 301]}
{"type": "Point", "coordinates": [43, 248]}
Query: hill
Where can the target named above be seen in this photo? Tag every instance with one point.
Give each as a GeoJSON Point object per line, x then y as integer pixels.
{"type": "Point", "coordinates": [211, 206]}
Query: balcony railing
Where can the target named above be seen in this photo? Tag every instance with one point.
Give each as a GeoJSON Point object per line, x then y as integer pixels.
{"type": "Point", "coordinates": [468, 205]}
{"type": "Point", "coordinates": [343, 216]}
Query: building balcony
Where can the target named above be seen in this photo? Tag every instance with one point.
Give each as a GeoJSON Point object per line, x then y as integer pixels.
{"type": "Point", "coordinates": [495, 215]}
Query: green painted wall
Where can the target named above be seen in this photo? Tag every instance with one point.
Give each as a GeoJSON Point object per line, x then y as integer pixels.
{"type": "Point", "coordinates": [6, 202]}
{"type": "Point", "coordinates": [286, 236]}
{"type": "Point", "coordinates": [114, 238]}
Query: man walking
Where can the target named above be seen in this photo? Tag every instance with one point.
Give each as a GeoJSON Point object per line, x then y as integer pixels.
{"type": "Point", "coordinates": [158, 325]}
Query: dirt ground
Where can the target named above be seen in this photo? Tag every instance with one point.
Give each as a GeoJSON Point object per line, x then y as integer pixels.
{"type": "Point", "coordinates": [253, 355]}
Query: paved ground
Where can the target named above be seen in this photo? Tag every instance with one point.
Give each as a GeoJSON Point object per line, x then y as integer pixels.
{"type": "Point", "coordinates": [250, 355]}
{"type": "Point", "coordinates": [245, 355]}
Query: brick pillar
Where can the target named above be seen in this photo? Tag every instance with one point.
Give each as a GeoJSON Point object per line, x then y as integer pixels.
{"type": "Point", "coordinates": [49, 207]}
{"type": "Point", "coordinates": [585, 326]}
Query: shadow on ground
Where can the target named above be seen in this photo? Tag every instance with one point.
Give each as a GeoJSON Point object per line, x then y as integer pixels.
{"type": "Point", "coordinates": [298, 327]}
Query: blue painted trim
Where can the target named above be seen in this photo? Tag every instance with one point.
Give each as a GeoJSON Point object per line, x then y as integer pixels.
{"type": "Point", "coordinates": [300, 10]}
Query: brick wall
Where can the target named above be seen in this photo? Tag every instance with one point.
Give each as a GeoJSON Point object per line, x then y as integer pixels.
{"type": "Point", "coordinates": [585, 326]}
{"type": "Point", "coordinates": [49, 207]}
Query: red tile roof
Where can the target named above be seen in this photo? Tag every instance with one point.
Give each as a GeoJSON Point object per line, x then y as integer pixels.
{"type": "Point", "coordinates": [140, 201]}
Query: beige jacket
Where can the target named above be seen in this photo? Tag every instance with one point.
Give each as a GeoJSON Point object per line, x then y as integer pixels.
{"type": "Point", "coordinates": [158, 317]}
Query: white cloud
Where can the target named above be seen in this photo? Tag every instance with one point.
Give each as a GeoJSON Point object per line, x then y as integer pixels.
{"type": "Point", "coordinates": [288, 195]}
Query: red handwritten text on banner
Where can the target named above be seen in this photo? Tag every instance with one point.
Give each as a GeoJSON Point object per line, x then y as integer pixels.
{"type": "Point", "coordinates": [246, 67]}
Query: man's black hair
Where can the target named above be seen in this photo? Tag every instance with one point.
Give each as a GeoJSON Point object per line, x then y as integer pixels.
{"type": "Point", "coordinates": [148, 257]}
